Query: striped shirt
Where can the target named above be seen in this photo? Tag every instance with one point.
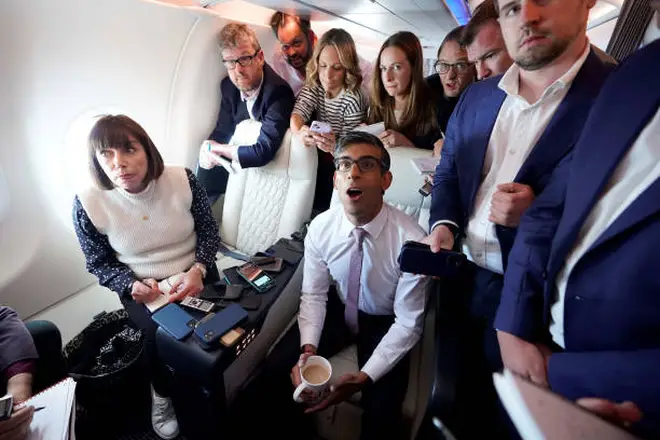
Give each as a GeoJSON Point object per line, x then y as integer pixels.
{"type": "Point", "coordinates": [343, 112]}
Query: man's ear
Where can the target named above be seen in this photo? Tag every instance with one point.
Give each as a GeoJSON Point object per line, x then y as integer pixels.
{"type": "Point", "coordinates": [334, 180]}
{"type": "Point", "coordinates": [386, 180]}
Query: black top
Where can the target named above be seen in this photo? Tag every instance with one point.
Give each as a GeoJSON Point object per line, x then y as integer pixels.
{"type": "Point", "coordinates": [444, 105]}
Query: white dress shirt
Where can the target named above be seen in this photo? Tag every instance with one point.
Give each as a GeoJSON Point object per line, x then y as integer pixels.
{"type": "Point", "coordinates": [518, 127]}
{"type": "Point", "coordinates": [639, 168]}
{"type": "Point", "coordinates": [249, 101]}
{"type": "Point", "coordinates": [384, 289]}
{"type": "Point", "coordinates": [296, 80]}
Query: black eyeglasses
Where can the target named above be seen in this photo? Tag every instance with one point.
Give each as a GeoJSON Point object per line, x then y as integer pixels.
{"type": "Point", "coordinates": [244, 61]}
{"type": "Point", "coordinates": [366, 164]}
{"type": "Point", "coordinates": [459, 67]}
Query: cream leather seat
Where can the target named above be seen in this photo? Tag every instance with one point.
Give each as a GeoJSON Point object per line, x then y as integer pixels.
{"type": "Point", "coordinates": [341, 421]}
{"type": "Point", "coordinates": [262, 205]}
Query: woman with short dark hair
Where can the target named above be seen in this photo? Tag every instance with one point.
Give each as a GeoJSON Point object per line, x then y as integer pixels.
{"type": "Point", "coordinates": [142, 224]}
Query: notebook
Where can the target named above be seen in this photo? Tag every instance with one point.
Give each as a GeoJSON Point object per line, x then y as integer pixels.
{"type": "Point", "coordinates": [374, 129]}
{"type": "Point", "coordinates": [539, 413]}
{"type": "Point", "coordinates": [425, 165]}
{"type": "Point", "coordinates": [57, 420]}
{"type": "Point", "coordinates": [165, 286]}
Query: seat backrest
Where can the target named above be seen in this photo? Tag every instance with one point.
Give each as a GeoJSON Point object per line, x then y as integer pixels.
{"type": "Point", "coordinates": [406, 181]}
{"type": "Point", "coordinates": [264, 204]}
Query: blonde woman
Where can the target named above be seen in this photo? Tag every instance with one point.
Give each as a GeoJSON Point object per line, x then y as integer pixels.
{"type": "Point", "coordinates": [331, 93]}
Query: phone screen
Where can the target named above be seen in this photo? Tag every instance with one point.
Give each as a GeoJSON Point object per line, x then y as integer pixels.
{"type": "Point", "coordinates": [250, 271]}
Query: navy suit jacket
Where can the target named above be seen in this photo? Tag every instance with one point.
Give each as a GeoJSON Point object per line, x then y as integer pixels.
{"type": "Point", "coordinates": [459, 173]}
{"type": "Point", "coordinates": [612, 299]}
{"type": "Point", "coordinates": [272, 108]}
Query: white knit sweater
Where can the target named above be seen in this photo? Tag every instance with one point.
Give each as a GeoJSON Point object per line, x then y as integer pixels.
{"type": "Point", "coordinates": [152, 232]}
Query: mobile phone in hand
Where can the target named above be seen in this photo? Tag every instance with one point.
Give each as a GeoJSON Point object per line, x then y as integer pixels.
{"type": "Point", "coordinates": [320, 127]}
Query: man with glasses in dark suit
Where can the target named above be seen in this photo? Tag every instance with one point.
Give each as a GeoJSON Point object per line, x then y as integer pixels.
{"type": "Point", "coordinates": [252, 91]}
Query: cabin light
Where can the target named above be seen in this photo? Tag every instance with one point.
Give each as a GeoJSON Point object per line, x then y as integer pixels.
{"type": "Point", "coordinates": [460, 10]}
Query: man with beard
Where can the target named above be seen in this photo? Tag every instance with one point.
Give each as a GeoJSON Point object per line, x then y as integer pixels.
{"type": "Point", "coordinates": [297, 41]}
{"type": "Point", "coordinates": [252, 91]}
{"type": "Point", "coordinates": [503, 141]}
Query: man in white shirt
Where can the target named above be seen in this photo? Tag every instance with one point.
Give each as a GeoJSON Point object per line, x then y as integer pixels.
{"type": "Point", "coordinates": [580, 309]}
{"type": "Point", "coordinates": [354, 245]}
{"type": "Point", "coordinates": [503, 142]}
{"type": "Point", "coordinates": [297, 42]}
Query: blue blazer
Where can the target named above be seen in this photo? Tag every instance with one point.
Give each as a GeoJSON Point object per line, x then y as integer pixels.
{"type": "Point", "coordinates": [272, 108]}
{"type": "Point", "coordinates": [459, 173]}
{"type": "Point", "coordinates": [612, 300]}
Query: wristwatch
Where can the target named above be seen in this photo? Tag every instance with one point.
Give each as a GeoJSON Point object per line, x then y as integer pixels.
{"type": "Point", "coordinates": [201, 268]}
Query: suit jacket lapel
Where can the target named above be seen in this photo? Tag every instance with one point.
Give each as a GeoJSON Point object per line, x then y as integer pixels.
{"type": "Point", "coordinates": [647, 204]}
{"type": "Point", "coordinates": [479, 138]}
{"type": "Point", "coordinates": [610, 132]}
{"type": "Point", "coordinates": [565, 127]}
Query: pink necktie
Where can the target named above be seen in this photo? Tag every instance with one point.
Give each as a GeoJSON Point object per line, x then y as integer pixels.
{"type": "Point", "coordinates": [355, 270]}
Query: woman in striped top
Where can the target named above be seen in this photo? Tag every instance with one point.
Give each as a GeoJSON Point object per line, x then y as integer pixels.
{"type": "Point", "coordinates": [332, 95]}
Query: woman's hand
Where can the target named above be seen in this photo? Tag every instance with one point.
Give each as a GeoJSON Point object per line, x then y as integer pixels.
{"type": "Point", "coordinates": [306, 136]}
{"type": "Point", "coordinates": [391, 138]}
{"type": "Point", "coordinates": [145, 292]}
{"type": "Point", "coordinates": [190, 285]}
{"type": "Point", "coordinates": [325, 141]}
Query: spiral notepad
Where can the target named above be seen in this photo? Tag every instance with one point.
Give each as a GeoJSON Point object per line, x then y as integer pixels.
{"type": "Point", "coordinates": [56, 421]}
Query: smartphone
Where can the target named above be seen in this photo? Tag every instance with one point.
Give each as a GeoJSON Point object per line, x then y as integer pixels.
{"type": "Point", "coordinates": [260, 260]}
{"type": "Point", "coordinates": [233, 292]}
{"type": "Point", "coordinates": [320, 127]}
{"type": "Point", "coordinates": [251, 302]}
{"type": "Point", "coordinates": [232, 277]}
{"type": "Point", "coordinates": [274, 266]}
{"type": "Point", "coordinates": [175, 321]}
{"type": "Point", "coordinates": [256, 276]}
{"type": "Point", "coordinates": [198, 304]}
{"type": "Point", "coordinates": [6, 406]}
{"type": "Point", "coordinates": [426, 189]}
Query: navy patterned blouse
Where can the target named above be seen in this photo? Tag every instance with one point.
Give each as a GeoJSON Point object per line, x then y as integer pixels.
{"type": "Point", "coordinates": [118, 277]}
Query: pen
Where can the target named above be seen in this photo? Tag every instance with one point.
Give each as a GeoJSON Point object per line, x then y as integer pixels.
{"type": "Point", "coordinates": [39, 408]}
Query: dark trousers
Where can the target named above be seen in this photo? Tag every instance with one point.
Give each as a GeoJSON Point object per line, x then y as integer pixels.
{"type": "Point", "coordinates": [270, 395]}
{"type": "Point", "coordinates": [480, 290]}
{"type": "Point", "coordinates": [51, 365]}
{"type": "Point", "coordinates": [161, 377]}
{"type": "Point", "coordinates": [214, 182]}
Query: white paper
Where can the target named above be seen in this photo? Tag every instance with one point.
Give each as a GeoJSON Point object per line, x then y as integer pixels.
{"type": "Point", "coordinates": [165, 287]}
{"type": "Point", "coordinates": [425, 165]}
{"type": "Point", "coordinates": [374, 129]}
{"type": "Point", "coordinates": [54, 422]}
{"type": "Point", "coordinates": [541, 414]}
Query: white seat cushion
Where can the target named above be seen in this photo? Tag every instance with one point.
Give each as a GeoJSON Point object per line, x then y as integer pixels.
{"type": "Point", "coordinates": [264, 204]}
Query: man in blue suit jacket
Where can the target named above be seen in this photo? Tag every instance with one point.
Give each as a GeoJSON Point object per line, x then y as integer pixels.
{"type": "Point", "coordinates": [503, 142]}
{"type": "Point", "coordinates": [583, 272]}
{"type": "Point", "coordinates": [252, 90]}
